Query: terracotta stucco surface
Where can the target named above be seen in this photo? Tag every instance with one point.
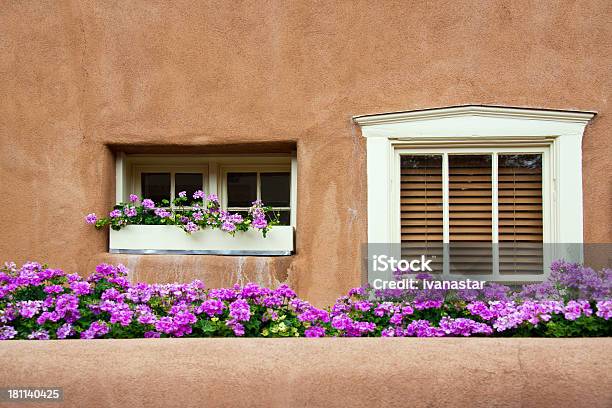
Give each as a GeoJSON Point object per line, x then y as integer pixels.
{"type": "Point", "coordinates": [315, 373]}
{"type": "Point", "coordinates": [78, 78]}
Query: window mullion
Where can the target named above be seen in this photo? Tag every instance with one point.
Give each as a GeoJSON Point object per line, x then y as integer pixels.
{"type": "Point", "coordinates": [445, 216]}
{"type": "Point", "coordinates": [172, 187]}
{"type": "Point", "coordinates": [495, 213]}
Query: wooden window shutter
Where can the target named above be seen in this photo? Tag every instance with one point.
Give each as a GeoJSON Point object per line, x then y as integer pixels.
{"type": "Point", "coordinates": [520, 213]}
{"type": "Point", "coordinates": [470, 195]}
{"type": "Point", "coordinates": [422, 222]}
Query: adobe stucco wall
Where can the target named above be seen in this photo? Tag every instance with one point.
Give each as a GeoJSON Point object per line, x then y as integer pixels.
{"type": "Point", "coordinates": [364, 372]}
{"type": "Point", "coordinates": [79, 76]}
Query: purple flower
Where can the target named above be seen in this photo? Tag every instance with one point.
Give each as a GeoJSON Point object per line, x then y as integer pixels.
{"type": "Point", "coordinates": [479, 308]}
{"type": "Point", "coordinates": [604, 309]}
{"type": "Point", "coordinates": [66, 303]}
{"type": "Point", "coordinates": [211, 307]}
{"type": "Point", "coordinates": [228, 226]}
{"type": "Point", "coordinates": [29, 308]}
{"type": "Point", "coordinates": [313, 314]}
{"type": "Point", "coordinates": [341, 322]}
{"type": "Point", "coordinates": [54, 289]}
{"type": "Point", "coordinates": [115, 214]}
{"type": "Point", "coordinates": [39, 335]}
{"type": "Point", "coordinates": [199, 194]}
{"type": "Point", "coordinates": [182, 194]}
{"type": "Point", "coordinates": [388, 332]}
{"type": "Point", "coordinates": [91, 218]}
{"type": "Point", "coordinates": [240, 310]}
{"type": "Point", "coordinates": [133, 198]}
{"type": "Point", "coordinates": [259, 223]}
{"type": "Point", "coordinates": [130, 211]}
{"type": "Point", "coordinates": [65, 331]}
{"type": "Point", "coordinates": [314, 331]}
{"type": "Point", "coordinates": [7, 332]}
{"type": "Point", "coordinates": [574, 309]}
{"type": "Point", "coordinates": [165, 325]}
{"type": "Point", "coordinates": [238, 329]}
{"type": "Point", "coordinates": [162, 213]}
{"type": "Point", "coordinates": [213, 199]}
{"type": "Point", "coordinates": [80, 288]}
{"type": "Point", "coordinates": [148, 204]}
{"type": "Point", "coordinates": [96, 329]}
{"type": "Point", "coordinates": [112, 294]}
{"type": "Point", "coordinates": [146, 318]}
{"type": "Point", "coordinates": [191, 227]}
{"type": "Point", "coordinates": [359, 291]}
{"type": "Point", "coordinates": [152, 335]}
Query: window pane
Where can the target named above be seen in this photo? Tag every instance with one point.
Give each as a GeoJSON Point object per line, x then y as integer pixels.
{"type": "Point", "coordinates": [520, 213]}
{"type": "Point", "coordinates": [421, 208]}
{"type": "Point", "coordinates": [470, 213]}
{"type": "Point", "coordinates": [188, 182]}
{"type": "Point", "coordinates": [283, 217]}
{"type": "Point", "coordinates": [275, 189]}
{"type": "Point", "coordinates": [241, 189]}
{"type": "Point", "coordinates": [155, 186]}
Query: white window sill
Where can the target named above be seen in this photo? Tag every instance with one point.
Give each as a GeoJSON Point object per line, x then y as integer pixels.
{"type": "Point", "coordinates": [170, 239]}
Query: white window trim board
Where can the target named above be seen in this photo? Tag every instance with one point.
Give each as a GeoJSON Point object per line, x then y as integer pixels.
{"type": "Point", "coordinates": [476, 125]}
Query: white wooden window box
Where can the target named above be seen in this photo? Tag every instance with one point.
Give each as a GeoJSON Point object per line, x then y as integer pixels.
{"type": "Point", "coordinates": [170, 239]}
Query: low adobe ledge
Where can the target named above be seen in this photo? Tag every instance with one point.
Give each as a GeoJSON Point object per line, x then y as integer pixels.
{"type": "Point", "coordinates": [475, 372]}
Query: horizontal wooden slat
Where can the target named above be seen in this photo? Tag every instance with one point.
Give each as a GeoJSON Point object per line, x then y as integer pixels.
{"type": "Point", "coordinates": [421, 237]}
{"type": "Point", "coordinates": [520, 200]}
{"type": "Point", "coordinates": [523, 178]}
{"type": "Point", "coordinates": [420, 171]}
{"type": "Point", "coordinates": [519, 207]}
{"type": "Point", "coordinates": [414, 188]}
{"type": "Point", "coordinates": [421, 200]}
{"type": "Point", "coordinates": [522, 237]}
{"type": "Point", "coordinates": [421, 179]}
{"type": "Point", "coordinates": [470, 237]}
{"type": "Point", "coordinates": [472, 193]}
{"type": "Point", "coordinates": [520, 192]}
{"type": "Point", "coordinates": [419, 222]}
{"type": "Point", "coordinates": [422, 230]}
{"type": "Point", "coordinates": [520, 185]}
{"type": "Point", "coordinates": [520, 221]}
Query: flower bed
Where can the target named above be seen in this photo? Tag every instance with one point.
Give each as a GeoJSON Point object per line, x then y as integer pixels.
{"type": "Point", "coordinates": [37, 302]}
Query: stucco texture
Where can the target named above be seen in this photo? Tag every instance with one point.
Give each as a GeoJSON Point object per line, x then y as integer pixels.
{"type": "Point", "coordinates": [79, 78]}
{"type": "Point", "coordinates": [314, 373]}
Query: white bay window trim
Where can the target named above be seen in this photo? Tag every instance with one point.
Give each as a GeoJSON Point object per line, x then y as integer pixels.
{"type": "Point", "coordinates": [477, 129]}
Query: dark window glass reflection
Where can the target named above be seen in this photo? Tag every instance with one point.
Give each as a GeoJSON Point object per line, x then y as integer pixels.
{"type": "Point", "coordinates": [275, 189]}
{"type": "Point", "coordinates": [241, 189]}
{"type": "Point", "coordinates": [188, 182]}
{"type": "Point", "coordinates": [155, 186]}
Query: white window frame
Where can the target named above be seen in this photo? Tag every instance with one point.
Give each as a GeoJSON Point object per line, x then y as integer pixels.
{"type": "Point", "coordinates": [495, 149]}
{"type": "Point", "coordinates": [138, 170]}
{"type": "Point", "coordinates": [129, 167]}
{"type": "Point", "coordinates": [474, 127]}
{"type": "Point", "coordinates": [257, 169]}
